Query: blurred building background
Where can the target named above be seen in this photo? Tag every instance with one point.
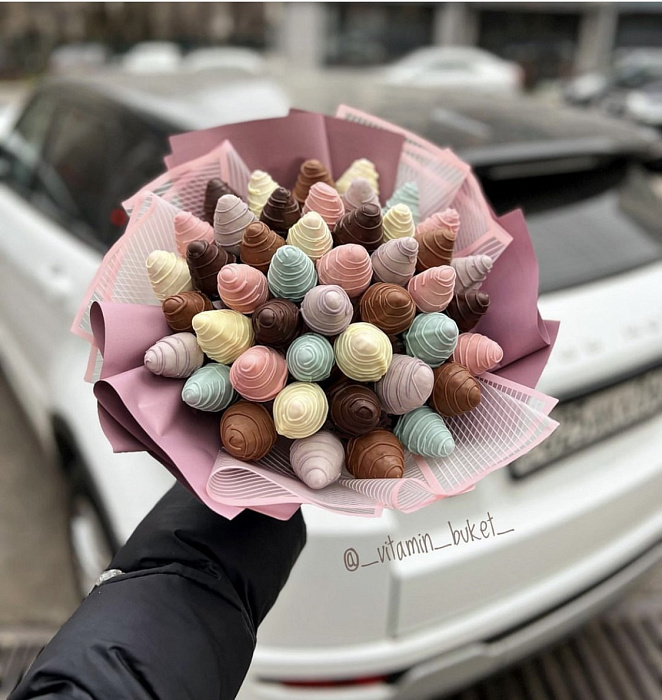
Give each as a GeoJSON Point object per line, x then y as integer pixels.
{"type": "Point", "coordinates": [549, 40]}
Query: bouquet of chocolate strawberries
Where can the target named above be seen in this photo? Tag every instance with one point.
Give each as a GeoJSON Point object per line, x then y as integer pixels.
{"type": "Point", "coordinates": [318, 310]}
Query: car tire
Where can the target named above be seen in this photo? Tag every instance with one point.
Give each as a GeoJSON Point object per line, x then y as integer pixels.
{"type": "Point", "coordinates": [91, 543]}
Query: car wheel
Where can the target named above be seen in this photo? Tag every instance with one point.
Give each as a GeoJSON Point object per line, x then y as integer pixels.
{"type": "Point", "coordinates": [91, 545]}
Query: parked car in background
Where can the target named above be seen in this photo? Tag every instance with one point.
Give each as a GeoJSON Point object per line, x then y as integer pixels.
{"type": "Point", "coordinates": [152, 57]}
{"type": "Point", "coordinates": [632, 89]}
{"type": "Point", "coordinates": [78, 58]}
{"type": "Point", "coordinates": [234, 58]}
{"type": "Point", "coordinates": [643, 105]}
{"type": "Point", "coordinates": [455, 67]}
{"type": "Point", "coordinates": [579, 518]}
{"type": "Point", "coordinates": [10, 103]}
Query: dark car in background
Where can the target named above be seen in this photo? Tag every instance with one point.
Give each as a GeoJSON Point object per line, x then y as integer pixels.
{"type": "Point", "coordinates": [582, 511]}
{"type": "Point", "coordinates": [631, 89]}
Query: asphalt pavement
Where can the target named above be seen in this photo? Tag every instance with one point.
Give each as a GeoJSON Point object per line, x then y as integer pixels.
{"type": "Point", "coordinates": [36, 579]}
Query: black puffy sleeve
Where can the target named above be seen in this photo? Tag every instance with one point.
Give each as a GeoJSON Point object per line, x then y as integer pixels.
{"type": "Point", "coordinates": [180, 622]}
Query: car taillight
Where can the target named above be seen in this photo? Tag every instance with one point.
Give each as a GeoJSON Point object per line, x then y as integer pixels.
{"type": "Point", "coordinates": [364, 680]}
{"type": "Point", "coordinates": [118, 217]}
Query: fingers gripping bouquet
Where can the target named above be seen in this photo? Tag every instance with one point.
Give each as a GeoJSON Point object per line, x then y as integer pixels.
{"type": "Point", "coordinates": [318, 310]}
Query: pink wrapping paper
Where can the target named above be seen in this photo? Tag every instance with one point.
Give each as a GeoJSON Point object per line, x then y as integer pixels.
{"type": "Point", "coordinates": [268, 145]}
{"type": "Point", "coordinates": [128, 347]}
{"type": "Point", "coordinates": [513, 320]}
{"type": "Point", "coordinates": [139, 408]}
{"type": "Point", "coordinates": [527, 369]}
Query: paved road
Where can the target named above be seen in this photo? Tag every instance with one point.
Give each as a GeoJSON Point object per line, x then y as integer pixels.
{"type": "Point", "coordinates": [36, 583]}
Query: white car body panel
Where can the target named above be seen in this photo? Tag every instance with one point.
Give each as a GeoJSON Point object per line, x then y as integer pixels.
{"type": "Point", "coordinates": [605, 331]}
{"type": "Point", "coordinates": [448, 672]}
{"type": "Point", "coordinates": [45, 272]}
{"type": "Point", "coordinates": [43, 269]}
{"type": "Point", "coordinates": [580, 546]}
{"type": "Point", "coordinates": [128, 484]}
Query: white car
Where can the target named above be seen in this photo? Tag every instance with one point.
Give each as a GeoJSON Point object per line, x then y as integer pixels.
{"type": "Point", "coordinates": [455, 68]}
{"type": "Point", "coordinates": [235, 58]}
{"type": "Point", "coordinates": [78, 58]}
{"type": "Point", "coordinates": [490, 575]}
{"type": "Point", "coordinates": [152, 57]}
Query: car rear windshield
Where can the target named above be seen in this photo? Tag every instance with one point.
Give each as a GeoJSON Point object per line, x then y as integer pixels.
{"type": "Point", "coordinates": [593, 211]}
{"type": "Point", "coordinates": [599, 219]}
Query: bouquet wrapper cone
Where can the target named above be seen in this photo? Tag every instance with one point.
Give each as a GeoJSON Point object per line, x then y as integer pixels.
{"type": "Point", "coordinates": [121, 318]}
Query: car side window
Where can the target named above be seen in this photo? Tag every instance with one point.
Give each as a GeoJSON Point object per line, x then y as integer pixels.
{"type": "Point", "coordinates": [95, 158]}
{"type": "Point", "coordinates": [146, 145]}
{"type": "Point", "coordinates": [78, 162]}
{"type": "Point", "coordinates": [25, 143]}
